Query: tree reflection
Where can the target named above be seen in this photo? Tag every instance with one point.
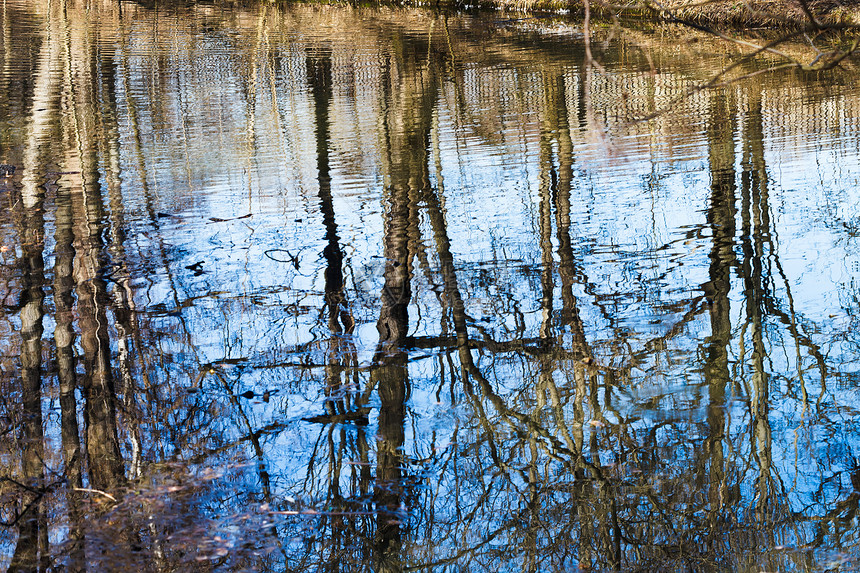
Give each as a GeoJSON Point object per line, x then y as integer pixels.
{"type": "Point", "coordinates": [473, 355]}
{"type": "Point", "coordinates": [410, 102]}
{"type": "Point", "coordinates": [31, 551]}
{"type": "Point", "coordinates": [64, 338]}
{"type": "Point", "coordinates": [721, 216]}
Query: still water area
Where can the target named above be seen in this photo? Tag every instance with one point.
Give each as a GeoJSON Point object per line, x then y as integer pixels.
{"type": "Point", "coordinates": [331, 288]}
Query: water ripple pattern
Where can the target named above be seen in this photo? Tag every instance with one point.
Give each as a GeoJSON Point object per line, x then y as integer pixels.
{"type": "Point", "coordinates": [328, 287]}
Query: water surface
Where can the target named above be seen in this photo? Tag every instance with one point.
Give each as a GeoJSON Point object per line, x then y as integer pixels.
{"type": "Point", "coordinates": [328, 288]}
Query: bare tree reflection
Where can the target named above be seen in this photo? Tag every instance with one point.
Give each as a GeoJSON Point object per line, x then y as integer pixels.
{"type": "Point", "coordinates": [721, 216]}
{"type": "Point", "coordinates": [520, 404]}
{"type": "Point", "coordinates": [64, 338]}
{"type": "Point", "coordinates": [105, 463]}
{"type": "Point", "coordinates": [31, 550]}
{"type": "Point", "coordinates": [410, 92]}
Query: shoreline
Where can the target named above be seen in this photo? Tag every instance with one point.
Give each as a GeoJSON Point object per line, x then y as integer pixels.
{"type": "Point", "coordinates": [727, 15]}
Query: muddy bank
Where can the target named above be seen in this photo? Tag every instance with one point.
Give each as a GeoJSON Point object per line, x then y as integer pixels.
{"type": "Point", "coordinates": [717, 13]}
{"type": "Point", "coordinates": [791, 15]}
{"type": "Point", "coordinates": [763, 13]}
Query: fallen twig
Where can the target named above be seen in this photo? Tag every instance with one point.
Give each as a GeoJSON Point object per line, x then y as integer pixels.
{"type": "Point", "coordinates": [98, 491]}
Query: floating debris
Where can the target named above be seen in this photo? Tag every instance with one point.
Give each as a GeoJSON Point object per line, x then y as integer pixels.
{"type": "Point", "coordinates": [220, 220]}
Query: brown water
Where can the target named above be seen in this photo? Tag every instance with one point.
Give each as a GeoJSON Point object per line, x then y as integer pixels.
{"type": "Point", "coordinates": [298, 288]}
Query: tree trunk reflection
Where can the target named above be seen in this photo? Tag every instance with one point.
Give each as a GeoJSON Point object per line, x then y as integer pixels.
{"type": "Point", "coordinates": [106, 467]}
{"type": "Point", "coordinates": [410, 91]}
{"type": "Point", "coordinates": [31, 550]}
{"type": "Point", "coordinates": [721, 217]}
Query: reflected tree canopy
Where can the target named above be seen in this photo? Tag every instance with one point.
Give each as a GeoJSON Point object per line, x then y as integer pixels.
{"type": "Point", "coordinates": [293, 288]}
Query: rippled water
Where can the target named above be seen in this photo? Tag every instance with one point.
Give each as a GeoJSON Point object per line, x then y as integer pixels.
{"type": "Point", "coordinates": [326, 288]}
